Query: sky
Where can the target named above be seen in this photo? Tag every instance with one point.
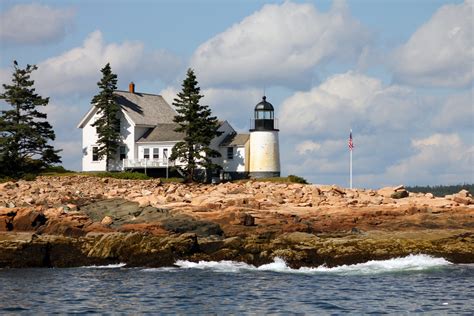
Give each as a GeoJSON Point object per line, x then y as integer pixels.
{"type": "Point", "coordinates": [399, 73]}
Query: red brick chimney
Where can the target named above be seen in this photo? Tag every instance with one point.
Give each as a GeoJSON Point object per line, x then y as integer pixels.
{"type": "Point", "coordinates": [131, 87]}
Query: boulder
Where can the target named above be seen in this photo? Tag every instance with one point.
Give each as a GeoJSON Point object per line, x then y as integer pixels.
{"type": "Point", "coordinates": [107, 221]}
{"type": "Point", "coordinates": [462, 200]}
{"type": "Point", "coordinates": [399, 194]}
{"type": "Point", "coordinates": [186, 224]}
{"type": "Point", "coordinates": [386, 192]}
{"type": "Point", "coordinates": [463, 193]}
{"type": "Point", "coordinates": [28, 220]}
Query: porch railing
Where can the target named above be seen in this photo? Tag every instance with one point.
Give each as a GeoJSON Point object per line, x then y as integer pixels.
{"type": "Point", "coordinates": [147, 163]}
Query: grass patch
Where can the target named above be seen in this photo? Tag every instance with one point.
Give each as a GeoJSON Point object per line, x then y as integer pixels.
{"type": "Point", "coordinates": [123, 175]}
{"type": "Point", "coordinates": [172, 180]}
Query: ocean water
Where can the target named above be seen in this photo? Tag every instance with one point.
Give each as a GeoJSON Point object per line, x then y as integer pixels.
{"type": "Point", "coordinates": [417, 284]}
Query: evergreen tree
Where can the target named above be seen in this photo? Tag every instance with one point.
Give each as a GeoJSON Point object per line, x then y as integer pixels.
{"type": "Point", "coordinates": [24, 131]}
{"type": "Point", "coordinates": [198, 126]}
{"type": "Point", "coordinates": [108, 123]}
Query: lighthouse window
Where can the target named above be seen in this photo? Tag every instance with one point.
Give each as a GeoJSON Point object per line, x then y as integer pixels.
{"type": "Point", "coordinates": [230, 152]}
{"type": "Point", "coordinates": [264, 115]}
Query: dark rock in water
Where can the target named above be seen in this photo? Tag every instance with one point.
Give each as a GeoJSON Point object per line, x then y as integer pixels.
{"type": "Point", "coordinates": [185, 224]}
{"type": "Point", "coordinates": [400, 194]}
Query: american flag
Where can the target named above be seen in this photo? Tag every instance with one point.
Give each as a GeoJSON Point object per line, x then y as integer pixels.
{"type": "Point", "coordinates": [351, 144]}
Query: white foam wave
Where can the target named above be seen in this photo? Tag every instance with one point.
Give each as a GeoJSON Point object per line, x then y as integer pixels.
{"type": "Point", "coordinates": [109, 266]}
{"type": "Point", "coordinates": [408, 263]}
{"type": "Point", "coordinates": [163, 269]}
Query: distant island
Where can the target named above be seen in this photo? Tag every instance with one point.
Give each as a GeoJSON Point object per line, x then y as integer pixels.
{"type": "Point", "coordinates": [77, 220]}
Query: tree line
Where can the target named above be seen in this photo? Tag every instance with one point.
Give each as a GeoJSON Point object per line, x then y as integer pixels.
{"type": "Point", "coordinates": [442, 190]}
{"type": "Point", "coordinates": [26, 135]}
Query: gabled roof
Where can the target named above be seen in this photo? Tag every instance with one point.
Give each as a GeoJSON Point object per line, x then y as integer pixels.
{"type": "Point", "coordinates": [161, 133]}
{"type": "Point", "coordinates": [234, 139]}
{"type": "Point", "coordinates": [142, 108]}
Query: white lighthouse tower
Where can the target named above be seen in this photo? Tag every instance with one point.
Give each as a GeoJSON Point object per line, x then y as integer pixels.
{"type": "Point", "coordinates": [264, 147]}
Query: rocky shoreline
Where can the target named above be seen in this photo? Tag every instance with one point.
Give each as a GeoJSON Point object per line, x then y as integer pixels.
{"type": "Point", "coordinates": [78, 220]}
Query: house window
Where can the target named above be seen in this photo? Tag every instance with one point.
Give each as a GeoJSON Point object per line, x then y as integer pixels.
{"type": "Point", "coordinates": [117, 126]}
{"type": "Point", "coordinates": [230, 152]}
{"type": "Point", "coordinates": [156, 154]}
{"type": "Point", "coordinates": [165, 153]}
{"type": "Point", "coordinates": [123, 152]}
{"type": "Point", "coordinates": [146, 153]}
{"type": "Point", "coordinates": [95, 153]}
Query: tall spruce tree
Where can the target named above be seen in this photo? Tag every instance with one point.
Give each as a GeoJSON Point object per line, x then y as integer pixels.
{"type": "Point", "coordinates": [198, 126]}
{"type": "Point", "coordinates": [108, 122]}
{"type": "Point", "coordinates": [24, 131]}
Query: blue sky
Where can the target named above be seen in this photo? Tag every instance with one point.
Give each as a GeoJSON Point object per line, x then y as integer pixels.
{"type": "Point", "coordinates": [400, 73]}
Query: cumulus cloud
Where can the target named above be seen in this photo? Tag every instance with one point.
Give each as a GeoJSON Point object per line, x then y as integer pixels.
{"type": "Point", "coordinates": [280, 44]}
{"type": "Point", "coordinates": [457, 112]}
{"type": "Point", "coordinates": [35, 24]}
{"type": "Point", "coordinates": [441, 52]}
{"type": "Point", "coordinates": [439, 158]}
{"type": "Point", "coordinates": [351, 100]}
{"type": "Point", "coordinates": [78, 70]}
{"type": "Point", "coordinates": [307, 147]}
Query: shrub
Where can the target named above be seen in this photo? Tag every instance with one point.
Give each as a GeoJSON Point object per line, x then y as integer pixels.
{"type": "Point", "coordinates": [29, 177]}
{"type": "Point", "coordinates": [296, 179]}
{"type": "Point", "coordinates": [56, 169]}
{"type": "Point", "coordinates": [6, 179]}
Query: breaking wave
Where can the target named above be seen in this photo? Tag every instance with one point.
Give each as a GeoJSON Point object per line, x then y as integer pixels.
{"type": "Point", "coordinates": [109, 266]}
{"type": "Point", "coordinates": [408, 263]}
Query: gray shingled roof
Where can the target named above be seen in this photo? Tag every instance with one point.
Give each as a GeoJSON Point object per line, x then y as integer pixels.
{"type": "Point", "coordinates": [144, 108]}
{"type": "Point", "coordinates": [161, 133]}
{"type": "Point", "coordinates": [234, 139]}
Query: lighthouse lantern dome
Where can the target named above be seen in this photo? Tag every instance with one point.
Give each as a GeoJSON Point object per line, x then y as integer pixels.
{"type": "Point", "coordinates": [264, 110]}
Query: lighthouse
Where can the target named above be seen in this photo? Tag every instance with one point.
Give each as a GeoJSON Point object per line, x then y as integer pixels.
{"type": "Point", "coordinates": [264, 147]}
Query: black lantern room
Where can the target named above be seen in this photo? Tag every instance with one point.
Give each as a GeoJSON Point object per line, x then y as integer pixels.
{"type": "Point", "coordinates": [264, 116]}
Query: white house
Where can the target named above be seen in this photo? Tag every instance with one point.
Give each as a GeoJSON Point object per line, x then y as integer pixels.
{"type": "Point", "coordinates": [148, 136]}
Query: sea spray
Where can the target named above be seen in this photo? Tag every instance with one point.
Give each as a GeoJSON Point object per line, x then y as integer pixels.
{"type": "Point", "coordinates": [108, 266]}
{"type": "Point", "coordinates": [409, 263]}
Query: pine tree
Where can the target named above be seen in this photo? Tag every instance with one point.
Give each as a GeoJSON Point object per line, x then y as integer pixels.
{"type": "Point", "coordinates": [198, 126]}
{"type": "Point", "coordinates": [108, 123]}
{"type": "Point", "coordinates": [24, 131]}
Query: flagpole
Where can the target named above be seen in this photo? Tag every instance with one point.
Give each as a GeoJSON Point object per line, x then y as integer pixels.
{"type": "Point", "coordinates": [350, 171]}
{"type": "Point", "coordinates": [351, 146]}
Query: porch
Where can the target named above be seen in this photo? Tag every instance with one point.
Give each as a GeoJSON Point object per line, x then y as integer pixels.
{"type": "Point", "coordinates": [146, 163]}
